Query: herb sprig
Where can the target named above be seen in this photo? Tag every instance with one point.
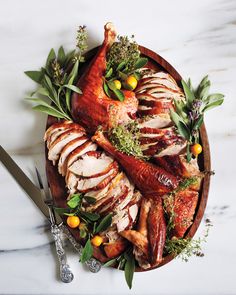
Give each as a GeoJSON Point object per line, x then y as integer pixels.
{"type": "Point", "coordinates": [184, 248]}
{"type": "Point", "coordinates": [189, 115]}
{"type": "Point", "coordinates": [126, 139]}
{"type": "Point", "coordinates": [92, 223]}
{"type": "Point", "coordinates": [123, 60]}
{"type": "Point", "coordinates": [57, 79]}
{"type": "Point", "coordinates": [126, 262]}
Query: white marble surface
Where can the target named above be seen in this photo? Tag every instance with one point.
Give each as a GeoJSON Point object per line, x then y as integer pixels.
{"type": "Point", "coordinates": [197, 37]}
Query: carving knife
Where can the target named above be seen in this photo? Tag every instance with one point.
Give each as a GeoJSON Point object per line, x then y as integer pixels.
{"type": "Point", "coordinates": [35, 195]}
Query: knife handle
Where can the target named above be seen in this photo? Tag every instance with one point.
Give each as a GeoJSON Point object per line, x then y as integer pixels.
{"type": "Point", "coordinates": [93, 264]}
{"type": "Point", "coordinates": [66, 274]}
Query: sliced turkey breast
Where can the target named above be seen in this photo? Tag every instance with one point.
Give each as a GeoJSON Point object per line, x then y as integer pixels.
{"type": "Point", "coordinates": [156, 121]}
{"type": "Point", "coordinates": [68, 148]}
{"type": "Point", "coordinates": [87, 146]}
{"type": "Point", "coordinates": [91, 165]}
{"type": "Point", "coordinates": [56, 148]}
{"type": "Point", "coordinates": [86, 184]}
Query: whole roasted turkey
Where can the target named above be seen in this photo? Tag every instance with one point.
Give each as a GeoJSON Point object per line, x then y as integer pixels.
{"type": "Point", "coordinates": [133, 190]}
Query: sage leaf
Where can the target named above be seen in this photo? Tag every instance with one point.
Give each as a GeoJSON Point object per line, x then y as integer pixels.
{"type": "Point", "coordinates": [141, 62]}
{"type": "Point", "coordinates": [198, 123]}
{"type": "Point", "coordinates": [89, 215]}
{"type": "Point", "coordinates": [61, 55]}
{"type": "Point", "coordinates": [87, 252]}
{"type": "Point", "coordinates": [121, 66]}
{"type": "Point", "coordinates": [90, 200]}
{"type": "Point", "coordinates": [110, 262]}
{"type": "Point", "coordinates": [213, 105]}
{"type": "Point", "coordinates": [74, 201]}
{"type": "Point", "coordinates": [36, 76]}
{"type": "Point", "coordinates": [180, 124]}
{"type": "Point", "coordinates": [50, 58]}
{"type": "Point", "coordinates": [119, 94]}
{"type": "Point", "coordinates": [129, 269]}
{"type": "Point", "coordinates": [109, 73]}
{"type": "Point", "coordinates": [50, 111]}
{"type": "Point", "coordinates": [73, 74]}
{"type": "Point", "coordinates": [106, 89]}
{"type": "Point", "coordinates": [104, 224]}
{"type": "Point", "coordinates": [188, 93]}
{"type": "Point", "coordinates": [73, 88]}
{"type": "Point", "coordinates": [189, 154]}
{"type": "Point", "coordinates": [213, 97]}
{"type": "Point", "coordinates": [62, 211]}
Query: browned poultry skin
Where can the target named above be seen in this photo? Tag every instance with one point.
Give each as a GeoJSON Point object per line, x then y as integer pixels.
{"type": "Point", "coordinates": [93, 108]}
{"type": "Point", "coordinates": [148, 178]}
{"type": "Point", "coordinates": [116, 248]}
{"type": "Point", "coordinates": [183, 206]}
{"type": "Point", "coordinates": [157, 231]}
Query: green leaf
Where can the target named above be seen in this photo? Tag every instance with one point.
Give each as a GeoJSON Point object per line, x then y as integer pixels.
{"type": "Point", "coordinates": [68, 99]}
{"type": "Point", "coordinates": [36, 76]}
{"type": "Point", "coordinates": [89, 215]}
{"type": "Point", "coordinates": [87, 252]}
{"type": "Point", "coordinates": [129, 269]}
{"type": "Point", "coordinates": [137, 75]}
{"type": "Point", "coordinates": [74, 201]}
{"type": "Point", "coordinates": [82, 233]}
{"type": "Point", "coordinates": [49, 86]}
{"type": "Point", "coordinates": [141, 62]}
{"type": "Point", "coordinates": [205, 91]}
{"type": "Point", "coordinates": [122, 75]}
{"type": "Point", "coordinates": [106, 89]}
{"type": "Point", "coordinates": [73, 74]}
{"type": "Point", "coordinates": [73, 88]}
{"type": "Point", "coordinates": [111, 85]}
{"type": "Point", "coordinates": [181, 126]}
{"type": "Point", "coordinates": [42, 91]}
{"type": "Point", "coordinates": [213, 97]}
{"type": "Point", "coordinates": [109, 73]}
{"type": "Point", "coordinates": [50, 111]}
{"type": "Point", "coordinates": [121, 66]}
{"type": "Point", "coordinates": [119, 94]}
{"type": "Point", "coordinates": [188, 93]}
{"type": "Point", "coordinates": [213, 105]}
{"type": "Point", "coordinates": [50, 58]}
{"type": "Point", "coordinates": [189, 155]}
{"type": "Point", "coordinates": [198, 123]}
{"type": "Point", "coordinates": [69, 57]}
{"type": "Point", "coordinates": [127, 86]}
{"type": "Point", "coordinates": [110, 262]}
{"type": "Point", "coordinates": [90, 200]}
{"type": "Point", "coordinates": [104, 224]}
{"type": "Point", "coordinates": [61, 55]}
{"type": "Point", "coordinates": [202, 84]}
{"type": "Point", "coordinates": [62, 210]}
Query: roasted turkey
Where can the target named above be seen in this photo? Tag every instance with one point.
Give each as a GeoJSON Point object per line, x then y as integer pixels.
{"type": "Point", "coordinates": [132, 189]}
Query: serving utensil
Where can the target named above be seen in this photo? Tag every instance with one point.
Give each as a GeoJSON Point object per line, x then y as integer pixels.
{"type": "Point", "coordinates": [34, 194]}
{"type": "Point", "coordinates": [66, 274]}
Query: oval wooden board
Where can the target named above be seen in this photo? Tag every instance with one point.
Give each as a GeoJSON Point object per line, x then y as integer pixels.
{"type": "Point", "coordinates": [57, 183]}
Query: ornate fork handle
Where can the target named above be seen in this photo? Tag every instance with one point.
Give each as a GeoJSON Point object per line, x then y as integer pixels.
{"type": "Point", "coordinates": [93, 264]}
{"type": "Point", "coordinates": [65, 271]}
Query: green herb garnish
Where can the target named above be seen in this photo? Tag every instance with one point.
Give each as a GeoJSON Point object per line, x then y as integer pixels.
{"type": "Point", "coordinates": [187, 247]}
{"type": "Point", "coordinates": [58, 78]}
{"type": "Point", "coordinates": [87, 252]}
{"type": "Point", "coordinates": [126, 139]}
{"type": "Point", "coordinates": [123, 60]}
{"type": "Point", "coordinates": [189, 115]}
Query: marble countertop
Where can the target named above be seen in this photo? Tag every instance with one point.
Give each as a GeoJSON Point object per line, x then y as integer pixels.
{"type": "Point", "coordinates": [196, 37]}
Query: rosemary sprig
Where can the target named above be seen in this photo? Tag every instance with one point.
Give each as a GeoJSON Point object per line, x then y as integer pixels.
{"type": "Point", "coordinates": [58, 78]}
{"type": "Point", "coordinates": [189, 115]}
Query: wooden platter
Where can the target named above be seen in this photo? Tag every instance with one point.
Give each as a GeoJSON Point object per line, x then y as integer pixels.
{"type": "Point", "coordinates": [57, 183]}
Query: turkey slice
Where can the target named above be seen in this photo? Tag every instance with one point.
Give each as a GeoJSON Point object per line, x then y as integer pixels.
{"type": "Point", "coordinates": [91, 166]}
{"type": "Point", "coordinates": [56, 148]}
{"type": "Point", "coordinates": [73, 144]}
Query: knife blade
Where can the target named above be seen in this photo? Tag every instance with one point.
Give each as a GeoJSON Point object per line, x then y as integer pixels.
{"type": "Point", "coordinates": [34, 194]}
{"type": "Point", "coordinates": [26, 184]}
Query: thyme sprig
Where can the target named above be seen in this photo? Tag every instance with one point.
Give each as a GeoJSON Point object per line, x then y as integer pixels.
{"type": "Point", "coordinates": [126, 139]}
{"type": "Point", "coordinates": [184, 248]}
{"type": "Point", "coordinates": [123, 60]}
{"type": "Point", "coordinates": [189, 115]}
{"type": "Point", "coordinates": [58, 78]}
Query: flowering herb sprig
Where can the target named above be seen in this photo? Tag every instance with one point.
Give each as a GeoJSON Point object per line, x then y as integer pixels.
{"type": "Point", "coordinates": [189, 114]}
{"type": "Point", "coordinates": [58, 78]}
{"type": "Point", "coordinates": [123, 60]}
